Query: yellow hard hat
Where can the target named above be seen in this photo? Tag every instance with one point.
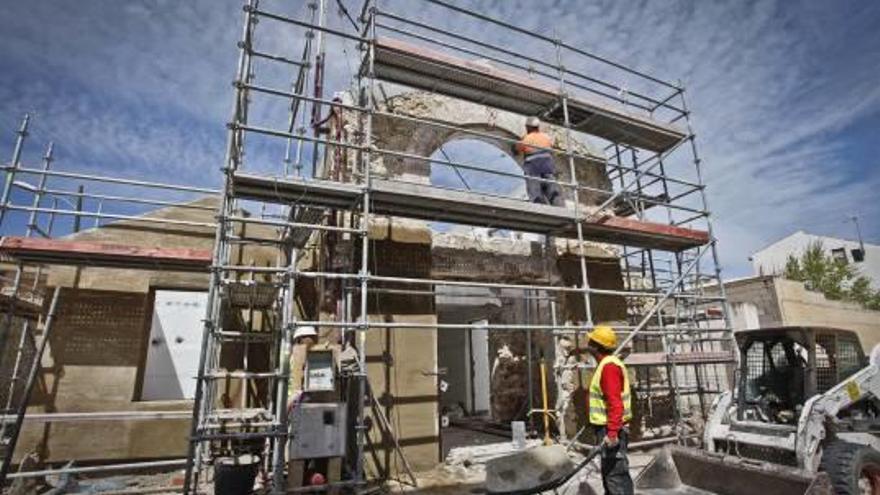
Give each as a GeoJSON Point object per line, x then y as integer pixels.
{"type": "Point", "coordinates": [604, 336]}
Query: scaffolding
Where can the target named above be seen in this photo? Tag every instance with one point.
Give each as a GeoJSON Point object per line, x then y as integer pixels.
{"type": "Point", "coordinates": [657, 216]}
{"type": "Point", "coordinates": [328, 185]}
{"type": "Point", "coordinates": [40, 206]}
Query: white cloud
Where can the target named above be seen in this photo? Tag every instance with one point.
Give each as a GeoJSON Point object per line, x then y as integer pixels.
{"type": "Point", "coordinates": [775, 87]}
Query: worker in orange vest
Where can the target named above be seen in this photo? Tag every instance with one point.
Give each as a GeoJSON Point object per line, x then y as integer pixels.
{"type": "Point", "coordinates": [610, 410]}
{"type": "Point", "coordinates": [538, 162]}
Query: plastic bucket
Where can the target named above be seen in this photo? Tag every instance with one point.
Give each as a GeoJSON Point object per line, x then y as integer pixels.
{"type": "Point", "coordinates": [235, 475]}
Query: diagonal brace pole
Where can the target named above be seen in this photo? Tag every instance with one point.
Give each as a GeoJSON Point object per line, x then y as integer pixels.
{"type": "Point", "coordinates": [666, 295]}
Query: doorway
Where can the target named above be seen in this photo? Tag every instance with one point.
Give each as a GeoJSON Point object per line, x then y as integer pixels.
{"type": "Point", "coordinates": [465, 411]}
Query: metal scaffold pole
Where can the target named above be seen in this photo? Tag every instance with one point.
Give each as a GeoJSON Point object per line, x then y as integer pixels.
{"type": "Point", "coordinates": [4, 206]}
{"type": "Point", "coordinates": [41, 189]}
{"type": "Point", "coordinates": [25, 328]}
{"type": "Point", "coordinates": [713, 241]}
{"type": "Point", "coordinates": [318, 85]}
{"type": "Point", "coordinates": [15, 163]}
{"type": "Point", "coordinates": [585, 282]}
{"type": "Point", "coordinates": [299, 86]}
{"type": "Point", "coordinates": [284, 340]}
{"type": "Point", "coordinates": [366, 100]}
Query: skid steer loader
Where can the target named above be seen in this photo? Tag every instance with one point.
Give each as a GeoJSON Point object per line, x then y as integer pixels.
{"type": "Point", "coordinates": [804, 417]}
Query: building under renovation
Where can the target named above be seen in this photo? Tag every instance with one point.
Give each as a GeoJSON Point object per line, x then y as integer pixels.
{"type": "Point", "coordinates": [152, 324]}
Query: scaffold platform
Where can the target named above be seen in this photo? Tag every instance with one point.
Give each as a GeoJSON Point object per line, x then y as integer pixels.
{"type": "Point", "coordinates": [423, 68]}
{"type": "Point", "coordinates": [426, 202]}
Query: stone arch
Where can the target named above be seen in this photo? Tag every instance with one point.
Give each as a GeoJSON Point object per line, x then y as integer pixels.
{"type": "Point", "coordinates": [418, 138]}
{"type": "Point", "coordinates": [450, 135]}
{"type": "Point", "coordinates": [504, 162]}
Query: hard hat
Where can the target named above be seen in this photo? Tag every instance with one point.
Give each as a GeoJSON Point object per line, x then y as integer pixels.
{"type": "Point", "coordinates": [533, 122]}
{"type": "Point", "coordinates": [604, 336]}
{"type": "Point", "coordinates": [304, 332]}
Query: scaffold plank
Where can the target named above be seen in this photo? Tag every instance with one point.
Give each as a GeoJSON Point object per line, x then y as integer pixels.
{"type": "Point", "coordinates": [67, 252]}
{"type": "Point", "coordinates": [425, 202]}
{"type": "Point", "coordinates": [679, 358]}
{"type": "Point", "coordinates": [424, 68]}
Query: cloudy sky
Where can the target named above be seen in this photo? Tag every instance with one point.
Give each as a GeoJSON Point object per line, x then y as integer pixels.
{"type": "Point", "coordinates": [785, 94]}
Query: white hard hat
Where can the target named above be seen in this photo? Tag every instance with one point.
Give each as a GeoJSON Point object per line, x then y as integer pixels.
{"type": "Point", "coordinates": [533, 121]}
{"type": "Point", "coordinates": [304, 332]}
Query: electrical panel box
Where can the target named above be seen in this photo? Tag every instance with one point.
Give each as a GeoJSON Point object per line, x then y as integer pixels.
{"type": "Point", "coordinates": [317, 430]}
{"type": "Point", "coordinates": [320, 372]}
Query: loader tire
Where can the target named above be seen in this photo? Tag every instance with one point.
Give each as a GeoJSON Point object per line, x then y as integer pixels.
{"type": "Point", "coordinates": [853, 469]}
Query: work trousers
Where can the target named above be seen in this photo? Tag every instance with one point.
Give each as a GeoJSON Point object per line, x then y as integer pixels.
{"type": "Point", "coordinates": [615, 466]}
{"type": "Point", "coordinates": [541, 191]}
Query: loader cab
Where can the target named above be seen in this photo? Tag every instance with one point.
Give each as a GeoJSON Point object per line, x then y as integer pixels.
{"type": "Point", "coordinates": [781, 368]}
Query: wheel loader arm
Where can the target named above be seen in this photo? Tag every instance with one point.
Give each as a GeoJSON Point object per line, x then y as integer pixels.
{"type": "Point", "coordinates": [825, 407]}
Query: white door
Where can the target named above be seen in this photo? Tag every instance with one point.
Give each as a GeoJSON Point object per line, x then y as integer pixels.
{"type": "Point", "coordinates": [175, 341]}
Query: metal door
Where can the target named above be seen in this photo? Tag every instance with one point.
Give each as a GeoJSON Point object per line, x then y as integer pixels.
{"type": "Point", "coordinates": [173, 353]}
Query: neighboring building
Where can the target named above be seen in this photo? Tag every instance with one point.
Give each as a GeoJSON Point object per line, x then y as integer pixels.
{"type": "Point", "coordinates": [771, 259]}
{"type": "Point", "coordinates": [770, 301]}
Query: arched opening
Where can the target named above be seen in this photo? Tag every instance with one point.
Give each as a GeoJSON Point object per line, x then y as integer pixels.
{"type": "Point", "coordinates": [500, 174]}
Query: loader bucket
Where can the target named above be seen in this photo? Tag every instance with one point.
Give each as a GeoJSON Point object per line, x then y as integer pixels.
{"type": "Point", "coordinates": [677, 470]}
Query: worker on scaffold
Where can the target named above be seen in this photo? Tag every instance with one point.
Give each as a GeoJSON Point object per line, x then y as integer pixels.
{"type": "Point", "coordinates": [538, 164]}
{"type": "Point", "coordinates": [610, 410]}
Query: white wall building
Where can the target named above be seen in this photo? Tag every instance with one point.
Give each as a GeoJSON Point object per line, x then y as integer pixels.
{"type": "Point", "coordinates": [771, 259]}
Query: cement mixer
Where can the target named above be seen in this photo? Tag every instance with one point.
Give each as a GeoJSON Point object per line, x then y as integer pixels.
{"type": "Point", "coordinates": [803, 418]}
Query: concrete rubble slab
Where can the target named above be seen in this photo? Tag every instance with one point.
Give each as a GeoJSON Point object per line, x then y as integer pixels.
{"type": "Point", "coordinates": [527, 468]}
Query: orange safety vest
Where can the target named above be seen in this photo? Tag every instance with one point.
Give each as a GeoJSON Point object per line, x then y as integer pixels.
{"type": "Point", "coordinates": [538, 139]}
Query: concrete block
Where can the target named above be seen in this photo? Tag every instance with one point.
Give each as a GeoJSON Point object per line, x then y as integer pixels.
{"type": "Point", "coordinates": [400, 230]}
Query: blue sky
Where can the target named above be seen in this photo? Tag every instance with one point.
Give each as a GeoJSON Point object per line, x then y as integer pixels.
{"type": "Point", "coordinates": [785, 94]}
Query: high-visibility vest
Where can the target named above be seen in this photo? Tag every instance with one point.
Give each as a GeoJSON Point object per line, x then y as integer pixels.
{"type": "Point", "coordinates": [598, 410]}
{"type": "Point", "coordinates": [538, 140]}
